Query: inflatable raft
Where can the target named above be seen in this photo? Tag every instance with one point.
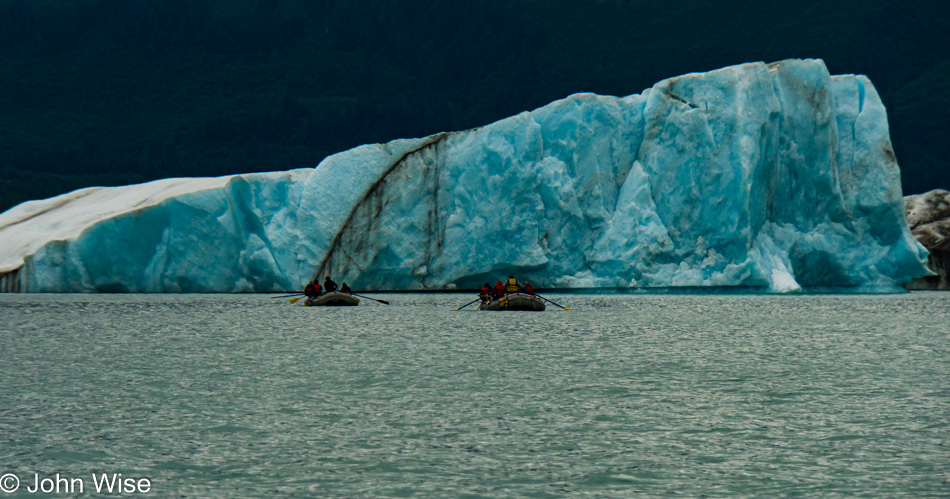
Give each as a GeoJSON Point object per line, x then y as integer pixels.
{"type": "Point", "coordinates": [515, 301]}
{"type": "Point", "coordinates": [334, 299]}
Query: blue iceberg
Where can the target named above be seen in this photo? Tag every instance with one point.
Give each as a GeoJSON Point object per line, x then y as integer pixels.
{"type": "Point", "coordinates": [775, 177]}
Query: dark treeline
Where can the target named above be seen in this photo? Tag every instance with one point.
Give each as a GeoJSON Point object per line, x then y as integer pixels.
{"type": "Point", "coordinates": [110, 92]}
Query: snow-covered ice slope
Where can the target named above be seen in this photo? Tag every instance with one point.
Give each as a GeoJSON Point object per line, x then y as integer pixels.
{"type": "Point", "coordinates": [773, 176]}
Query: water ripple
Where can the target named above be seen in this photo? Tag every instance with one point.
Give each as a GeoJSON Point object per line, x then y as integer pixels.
{"type": "Point", "coordinates": [720, 396]}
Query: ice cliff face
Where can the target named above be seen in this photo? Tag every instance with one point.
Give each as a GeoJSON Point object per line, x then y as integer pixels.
{"type": "Point", "coordinates": [929, 218]}
{"type": "Point", "coordinates": [776, 177]}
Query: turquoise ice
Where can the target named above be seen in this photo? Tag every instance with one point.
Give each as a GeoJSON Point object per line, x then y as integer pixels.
{"type": "Point", "coordinates": [777, 177]}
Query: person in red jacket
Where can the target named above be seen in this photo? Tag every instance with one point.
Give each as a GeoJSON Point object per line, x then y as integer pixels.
{"type": "Point", "coordinates": [529, 288]}
{"type": "Point", "coordinates": [313, 289]}
{"type": "Point", "coordinates": [485, 293]}
{"type": "Point", "coordinates": [499, 290]}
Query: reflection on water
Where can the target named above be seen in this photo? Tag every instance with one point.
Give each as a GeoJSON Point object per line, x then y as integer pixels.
{"type": "Point", "coordinates": [245, 395]}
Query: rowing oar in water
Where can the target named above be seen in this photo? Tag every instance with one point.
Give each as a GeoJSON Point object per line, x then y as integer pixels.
{"type": "Point", "coordinates": [384, 302]}
{"type": "Point", "coordinates": [288, 296]}
{"type": "Point", "coordinates": [467, 304]}
{"type": "Point", "coordinates": [549, 301]}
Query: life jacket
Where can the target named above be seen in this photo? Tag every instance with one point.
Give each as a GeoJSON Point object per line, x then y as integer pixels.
{"type": "Point", "coordinates": [499, 290]}
{"type": "Point", "coordinates": [512, 285]}
{"type": "Point", "coordinates": [530, 289]}
{"type": "Point", "coordinates": [485, 291]}
{"type": "Point", "coordinates": [317, 289]}
{"type": "Point", "coordinates": [309, 290]}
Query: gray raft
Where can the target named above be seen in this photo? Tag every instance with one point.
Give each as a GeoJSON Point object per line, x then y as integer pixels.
{"type": "Point", "coordinates": [515, 301]}
{"type": "Point", "coordinates": [334, 299]}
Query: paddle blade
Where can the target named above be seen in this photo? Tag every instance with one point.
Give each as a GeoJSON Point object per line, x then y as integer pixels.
{"type": "Point", "coordinates": [383, 302]}
{"type": "Point", "coordinates": [294, 300]}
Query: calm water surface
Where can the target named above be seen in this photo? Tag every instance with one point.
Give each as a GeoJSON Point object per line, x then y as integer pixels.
{"type": "Point", "coordinates": [626, 395]}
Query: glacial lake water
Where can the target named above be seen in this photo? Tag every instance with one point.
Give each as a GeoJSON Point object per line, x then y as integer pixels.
{"type": "Point", "coordinates": [624, 396]}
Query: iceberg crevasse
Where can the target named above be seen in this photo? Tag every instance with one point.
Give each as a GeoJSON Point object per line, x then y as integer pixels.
{"type": "Point", "coordinates": [769, 176]}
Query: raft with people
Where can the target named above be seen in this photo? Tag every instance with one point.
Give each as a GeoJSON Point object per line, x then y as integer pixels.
{"type": "Point", "coordinates": [328, 296]}
{"type": "Point", "coordinates": [515, 301]}
{"type": "Point", "coordinates": [510, 295]}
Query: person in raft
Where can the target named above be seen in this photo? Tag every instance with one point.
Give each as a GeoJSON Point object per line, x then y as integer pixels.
{"type": "Point", "coordinates": [346, 289]}
{"type": "Point", "coordinates": [328, 285]}
{"type": "Point", "coordinates": [313, 289]}
{"type": "Point", "coordinates": [499, 290]}
{"type": "Point", "coordinates": [528, 288]}
{"type": "Point", "coordinates": [512, 285]}
{"type": "Point", "coordinates": [485, 293]}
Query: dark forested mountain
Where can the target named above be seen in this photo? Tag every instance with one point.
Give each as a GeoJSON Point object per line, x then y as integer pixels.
{"type": "Point", "coordinates": [107, 92]}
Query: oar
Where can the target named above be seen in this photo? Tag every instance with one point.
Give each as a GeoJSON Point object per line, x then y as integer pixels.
{"type": "Point", "coordinates": [549, 301]}
{"type": "Point", "coordinates": [467, 304]}
{"type": "Point", "coordinates": [287, 296]}
{"type": "Point", "coordinates": [294, 300]}
{"type": "Point", "coordinates": [384, 302]}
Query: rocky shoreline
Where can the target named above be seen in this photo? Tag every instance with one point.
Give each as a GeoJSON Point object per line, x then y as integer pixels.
{"type": "Point", "coordinates": [928, 216]}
